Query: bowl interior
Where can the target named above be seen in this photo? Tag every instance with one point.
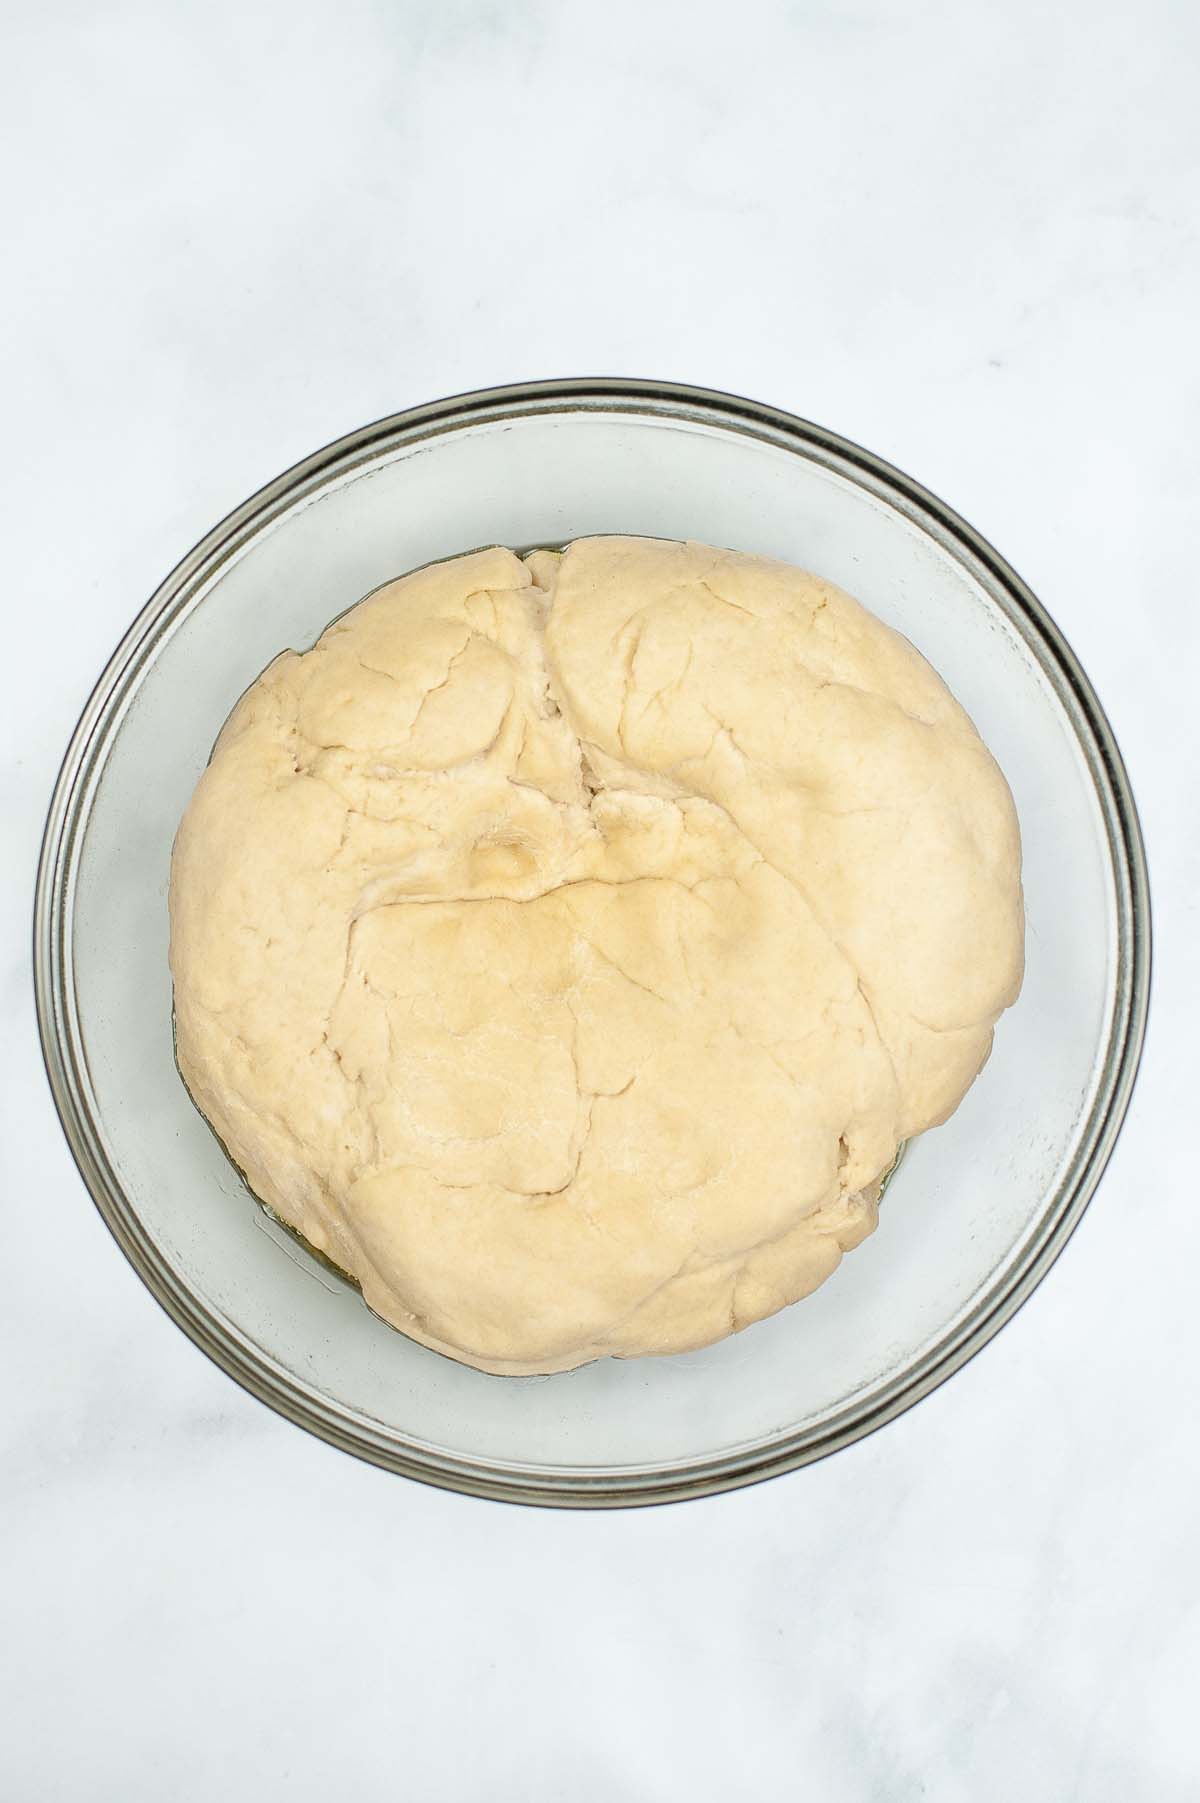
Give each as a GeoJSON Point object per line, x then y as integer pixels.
{"type": "Point", "coordinates": [968, 1200]}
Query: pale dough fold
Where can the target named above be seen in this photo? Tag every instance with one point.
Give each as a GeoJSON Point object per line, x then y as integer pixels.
{"type": "Point", "coordinates": [565, 945]}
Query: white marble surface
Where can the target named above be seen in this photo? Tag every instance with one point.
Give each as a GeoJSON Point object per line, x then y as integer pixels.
{"type": "Point", "coordinates": [964, 235]}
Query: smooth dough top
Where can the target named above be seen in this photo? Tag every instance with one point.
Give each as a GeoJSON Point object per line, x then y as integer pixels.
{"type": "Point", "coordinates": [564, 945]}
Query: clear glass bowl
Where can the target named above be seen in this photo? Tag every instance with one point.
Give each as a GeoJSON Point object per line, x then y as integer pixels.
{"type": "Point", "coordinates": [978, 1210]}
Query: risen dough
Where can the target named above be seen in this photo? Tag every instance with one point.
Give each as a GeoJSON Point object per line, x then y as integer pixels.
{"type": "Point", "coordinates": [564, 946]}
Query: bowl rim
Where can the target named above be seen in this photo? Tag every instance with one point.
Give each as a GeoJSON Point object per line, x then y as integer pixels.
{"type": "Point", "coordinates": [64, 1053]}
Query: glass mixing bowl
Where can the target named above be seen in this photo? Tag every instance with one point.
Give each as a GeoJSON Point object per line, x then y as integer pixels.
{"type": "Point", "coordinates": [979, 1208]}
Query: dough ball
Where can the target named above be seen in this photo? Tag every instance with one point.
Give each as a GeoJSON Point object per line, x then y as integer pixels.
{"type": "Point", "coordinates": [565, 945]}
